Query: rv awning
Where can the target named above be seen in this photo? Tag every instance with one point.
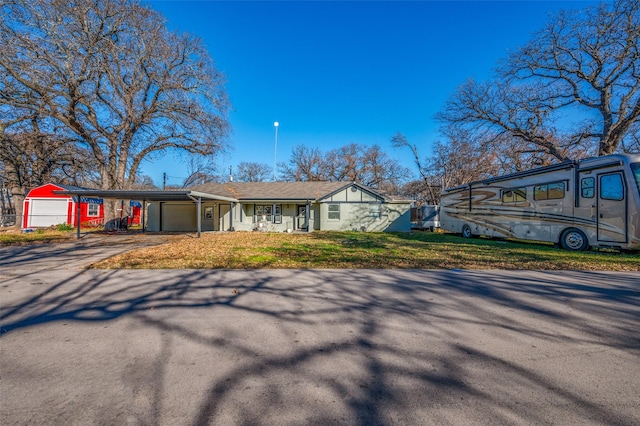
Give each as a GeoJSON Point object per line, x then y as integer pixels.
{"type": "Point", "coordinates": [151, 195]}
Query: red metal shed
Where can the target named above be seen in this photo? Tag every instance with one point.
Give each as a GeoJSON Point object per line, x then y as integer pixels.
{"type": "Point", "coordinates": [44, 208]}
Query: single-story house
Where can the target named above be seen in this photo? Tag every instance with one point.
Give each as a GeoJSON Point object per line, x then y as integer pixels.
{"type": "Point", "coordinates": [265, 206]}
{"type": "Point", "coordinates": [42, 207]}
{"type": "Point", "coordinates": [283, 207]}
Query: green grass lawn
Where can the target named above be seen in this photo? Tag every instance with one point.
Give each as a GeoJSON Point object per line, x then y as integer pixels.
{"type": "Point", "coordinates": [330, 250]}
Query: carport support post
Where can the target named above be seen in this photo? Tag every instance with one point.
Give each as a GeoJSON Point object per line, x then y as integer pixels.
{"type": "Point", "coordinates": [144, 202]}
{"type": "Point", "coordinates": [78, 217]}
{"type": "Point", "coordinates": [199, 215]}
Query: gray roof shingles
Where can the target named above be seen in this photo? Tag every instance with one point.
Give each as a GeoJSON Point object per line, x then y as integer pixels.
{"type": "Point", "coordinates": [271, 190]}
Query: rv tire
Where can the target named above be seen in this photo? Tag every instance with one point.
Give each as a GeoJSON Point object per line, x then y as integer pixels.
{"type": "Point", "coordinates": [466, 231]}
{"type": "Point", "coordinates": [574, 239]}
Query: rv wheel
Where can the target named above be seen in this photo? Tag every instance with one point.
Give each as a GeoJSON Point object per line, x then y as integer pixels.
{"type": "Point", "coordinates": [574, 239]}
{"type": "Point", "coordinates": [466, 231]}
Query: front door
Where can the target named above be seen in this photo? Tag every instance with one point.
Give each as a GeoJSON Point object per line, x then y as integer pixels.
{"type": "Point", "coordinates": [207, 219]}
{"type": "Point", "coordinates": [224, 219]}
{"type": "Point", "coordinates": [302, 217]}
{"type": "Point", "coordinates": [612, 208]}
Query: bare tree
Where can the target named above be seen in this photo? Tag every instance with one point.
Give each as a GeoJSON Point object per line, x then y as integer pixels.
{"type": "Point", "coordinates": [305, 164]}
{"type": "Point", "coordinates": [201, 170]}
{"type": "Point", "coordinates": [380, 171]}
{"type": "Point", "coordinates": [253, 172]}
{"type": "Point", "coordinates": [31, 158]}
{"type": "Point", "coordinates": [353, 162]}
{"type": "Point", "coordinates": [461, 158]}
{"type": "Point", "coordinates": [584, 64]}
{"type": "Point", "coordinates": [418, 191]}
{"type": "Point", "coordinates": [113, 79]}
{"type": "Point", "coordinates": [428, 191]}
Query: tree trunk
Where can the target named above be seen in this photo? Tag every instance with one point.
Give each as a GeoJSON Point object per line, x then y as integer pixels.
{"type": "Point", "coordinates": [17, 200]}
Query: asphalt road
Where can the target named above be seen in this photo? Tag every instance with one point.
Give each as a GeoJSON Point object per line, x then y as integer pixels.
{"type": "Point", "coordinates": [291, 347]}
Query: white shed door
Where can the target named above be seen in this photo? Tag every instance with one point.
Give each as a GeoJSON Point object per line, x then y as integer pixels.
{"type": "Point", "coordinates": [48, 212]}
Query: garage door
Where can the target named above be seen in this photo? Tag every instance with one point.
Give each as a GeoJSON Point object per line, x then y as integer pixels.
{"type": "Point", "coordinates": [179, 218]}
{"type": "Point", "coordinates": [48, 212]}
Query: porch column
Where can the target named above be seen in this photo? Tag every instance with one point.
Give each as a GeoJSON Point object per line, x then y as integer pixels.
{"type": "Point", "coordinates": [231, 216]}
{"type": "Point", "coordinates": [307, 215]}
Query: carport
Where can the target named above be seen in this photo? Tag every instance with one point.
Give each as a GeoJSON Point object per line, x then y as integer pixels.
{"type": "Point", "coordinates": [151, 196]}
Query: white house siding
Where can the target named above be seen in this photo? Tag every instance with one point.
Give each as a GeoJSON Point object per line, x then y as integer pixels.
{"type": "Point", "coordinates": [249, 222]}
{"type": "Point", "coordinates": [352, 194]}
{"type": "Point", "coordinates": [371, 217]}
{"type": "Point", "coordinates": [314, 217]}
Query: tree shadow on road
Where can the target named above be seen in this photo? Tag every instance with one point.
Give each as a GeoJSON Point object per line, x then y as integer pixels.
{"type": "Point", "coordinates": [358, 346]}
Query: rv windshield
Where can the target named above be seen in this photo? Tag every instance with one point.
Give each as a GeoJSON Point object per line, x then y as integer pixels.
{"type": "Point", "coordinates": [635, 169]}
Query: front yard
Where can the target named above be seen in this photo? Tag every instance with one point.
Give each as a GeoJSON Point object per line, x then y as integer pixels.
{"type": "Point", "coordinates": [330, 250]}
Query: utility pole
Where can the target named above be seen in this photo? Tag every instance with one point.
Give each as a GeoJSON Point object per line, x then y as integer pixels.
{"type": "Point", "coordinates": [164, 181]}
{"type": "Point", "coordinates": [275, 147]}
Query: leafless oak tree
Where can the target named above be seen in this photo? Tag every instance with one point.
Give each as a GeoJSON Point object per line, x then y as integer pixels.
{"type": "Point", "coordinates": [428, 191]}
{"type": "Point", "coordinates": [253, 172]}
{"type": "Point", "coordinates": [30, 158]}
{"type": "Point", "coordinates": [305, 164]}
{"type": "Point", "coordinates": [573, 89]}
{"type": "Point", "coordinates": [353, 162]}
{"type": "Point", "coordinates": [109, 76]}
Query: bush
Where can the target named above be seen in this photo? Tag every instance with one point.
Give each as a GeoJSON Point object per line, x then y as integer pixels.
{"type": "Point", "coordinates": [64, 227]}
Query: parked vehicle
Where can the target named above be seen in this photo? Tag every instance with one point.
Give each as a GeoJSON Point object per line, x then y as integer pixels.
{"type": "Point", "coordinates": [593, 202]}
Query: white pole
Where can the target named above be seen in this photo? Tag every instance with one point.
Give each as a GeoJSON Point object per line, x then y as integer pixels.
{"type": "Point", "coordinates": [275, 148]}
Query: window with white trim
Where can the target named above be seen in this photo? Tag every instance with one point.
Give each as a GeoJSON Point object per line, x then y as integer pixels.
{"type": "Point", "coordinates": [93, 210]}
{"type": "Point", "coordinates": [334, 212]}
{"type": "Point", "coordinates": [266, 213]}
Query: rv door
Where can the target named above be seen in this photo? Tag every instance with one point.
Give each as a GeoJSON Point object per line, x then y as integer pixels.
{"type": "Point", "coordinates": [612, 208]}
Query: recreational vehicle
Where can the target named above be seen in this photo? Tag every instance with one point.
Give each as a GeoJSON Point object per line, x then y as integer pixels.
{"type": "Point", "coordinates": [593, 202]}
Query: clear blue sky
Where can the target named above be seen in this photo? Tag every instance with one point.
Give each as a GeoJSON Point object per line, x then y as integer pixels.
{"type": "Point", "coordinates": [337, 72]}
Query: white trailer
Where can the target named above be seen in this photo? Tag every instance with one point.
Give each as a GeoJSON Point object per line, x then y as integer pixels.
{"type": "Point", "coordinates": [425, 217]}
{"type": "Point", "coordinates": [593, 202]}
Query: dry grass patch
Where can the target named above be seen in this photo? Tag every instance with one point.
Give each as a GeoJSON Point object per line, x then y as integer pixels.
{"type": "Point", "coordinates": [331, 250]}
{"type": "Point", "coordinates": [15, 236]}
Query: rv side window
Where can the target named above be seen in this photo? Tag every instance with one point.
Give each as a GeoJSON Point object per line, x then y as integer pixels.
{"type": "Point", "coordinates": [588, 186]}
{"type": "Point", "coordinates": [611, 187]}
{"type": "Point", "coordinates": [635, 169]}
{"type": "Point", "coordinates": [550, 191]}
{"type": "Point", "coordinates": [515, 195]}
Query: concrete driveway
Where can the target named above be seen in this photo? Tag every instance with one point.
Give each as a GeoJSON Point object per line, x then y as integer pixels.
{"type": "Point", "coordinates": [290, 347]}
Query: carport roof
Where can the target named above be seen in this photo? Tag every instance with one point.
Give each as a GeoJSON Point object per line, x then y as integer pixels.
{"type": "Point", "coordinates": [146, 195]}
